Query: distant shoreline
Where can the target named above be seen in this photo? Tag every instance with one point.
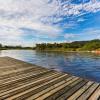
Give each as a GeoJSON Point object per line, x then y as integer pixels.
{"type": "Point", "coordinates": [93, 51]}
{"type": "Point", "coordinates": [76, 46]}
{"type": "Point", "coordinates": [15, 49]}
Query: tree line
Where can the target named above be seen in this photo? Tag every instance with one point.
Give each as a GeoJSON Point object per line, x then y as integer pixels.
{"type": "Point", "coordinates": [73, 46]}
{"type": "Point", "coordinates": [13, 47]}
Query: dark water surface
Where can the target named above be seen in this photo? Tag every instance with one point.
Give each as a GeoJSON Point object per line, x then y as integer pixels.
{"type": "Point", "coordinates": [86, 65]}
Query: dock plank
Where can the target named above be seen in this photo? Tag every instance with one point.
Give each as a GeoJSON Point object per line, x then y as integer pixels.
{"type": "Point", "coordinates": [80, 91]}
{"type": "Point", "coordinates": [72, 90]}
{"type": "Point", "coordinates": [88, 92]}
{"type": "Point", "coordinates": [95, 95]}
{"type": "Point", "coordinates": [20, 80]}
{"type": "Point", "coordinates": [24, 81]}
{"type": "Point", "coordinates": [52, 95]}
{"type": "Point", "coordinates": [38, 95]}
{"type": "Point", "coordinates": [36, 89]}
{"type": "Point", "coordinates": [25, 87]}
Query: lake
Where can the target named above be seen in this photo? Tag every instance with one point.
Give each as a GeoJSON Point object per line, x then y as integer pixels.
{"type": "Point", "coordinates": [86, 65]}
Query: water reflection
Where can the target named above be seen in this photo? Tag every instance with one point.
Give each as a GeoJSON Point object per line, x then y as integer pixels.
{"type": "Point", "coordinates": [81, 64]}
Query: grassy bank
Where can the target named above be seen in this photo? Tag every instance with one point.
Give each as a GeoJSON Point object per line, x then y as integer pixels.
{"type": "Point", "coordinates": [77, 46]}
{"type": "Point", "coordinates": [68, 50]}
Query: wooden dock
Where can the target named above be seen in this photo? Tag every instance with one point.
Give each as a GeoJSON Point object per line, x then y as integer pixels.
{"type": "Point", "coordinates": [23, 81]}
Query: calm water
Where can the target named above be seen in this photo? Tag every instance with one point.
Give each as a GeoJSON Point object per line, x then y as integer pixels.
{"type": "Point", "coordinates": [80, 64]}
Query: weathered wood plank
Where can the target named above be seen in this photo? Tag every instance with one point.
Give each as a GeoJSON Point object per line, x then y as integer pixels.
{"type": "Point", "coordinates": [88, 92]}
{"type": "Point", "coordinates": [27, 73]}
{"type": "Point", "coordinates": [95, 95]}
{"type": "Point", "coordinates": [20, 72]}
{"type": "Point", "coordinates": [26, 86]}
{"type": "Point", "coordinates": [72, 90]}
{"type": "Point", "coordinates": [41, 93]}
{"type": "Point", "coordinates": [23, 81]}
{"type": "Point", "coordinates": [38, 88]}
{"type": "Point", "coordinates": [5, 61]}
{"type": "Point", "coordinates": [80, 91]}
{"type": "Point", "coordinates": [52, 95]}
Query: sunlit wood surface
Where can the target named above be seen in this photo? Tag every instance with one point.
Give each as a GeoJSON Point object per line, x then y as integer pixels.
{"type": "Point", "coordinates": [23, 81]}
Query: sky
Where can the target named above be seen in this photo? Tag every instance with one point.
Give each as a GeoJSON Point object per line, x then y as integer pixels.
{"type": "Point", "coordinates": [27, 22]}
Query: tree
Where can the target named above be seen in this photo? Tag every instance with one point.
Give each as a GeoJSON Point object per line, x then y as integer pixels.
{"type": "Point", "coordinates": [92, 45]}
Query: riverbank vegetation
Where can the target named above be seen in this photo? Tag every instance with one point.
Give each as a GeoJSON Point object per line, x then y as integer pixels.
{"type": "Point", "coordinates": [73, 46]}
{"type": "Point", "coordinates": [14, 47]}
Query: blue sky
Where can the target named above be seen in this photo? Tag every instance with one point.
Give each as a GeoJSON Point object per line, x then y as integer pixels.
{"type": "Point", "coordinates": [27, 22]}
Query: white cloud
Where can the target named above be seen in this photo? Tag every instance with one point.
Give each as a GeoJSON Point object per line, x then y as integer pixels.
{"type": "Point", "coordinates": [69, 35]}
{"type": "Point", "coordinates": [81, 20]}
{"type": "Point", "coordinates": [17, 14]}
{"type": "Point", "coordinates": [80, 9]}
{"type": "Point", "coordinates": [38, 16]}
{"type": "Point", "coordinates": [88, 34]}
{"type": "Point", "coordinates": [95, 32]}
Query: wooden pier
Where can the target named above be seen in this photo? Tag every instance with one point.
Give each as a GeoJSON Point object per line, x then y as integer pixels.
{"type": "Point", "coordinates": [23, 81]}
